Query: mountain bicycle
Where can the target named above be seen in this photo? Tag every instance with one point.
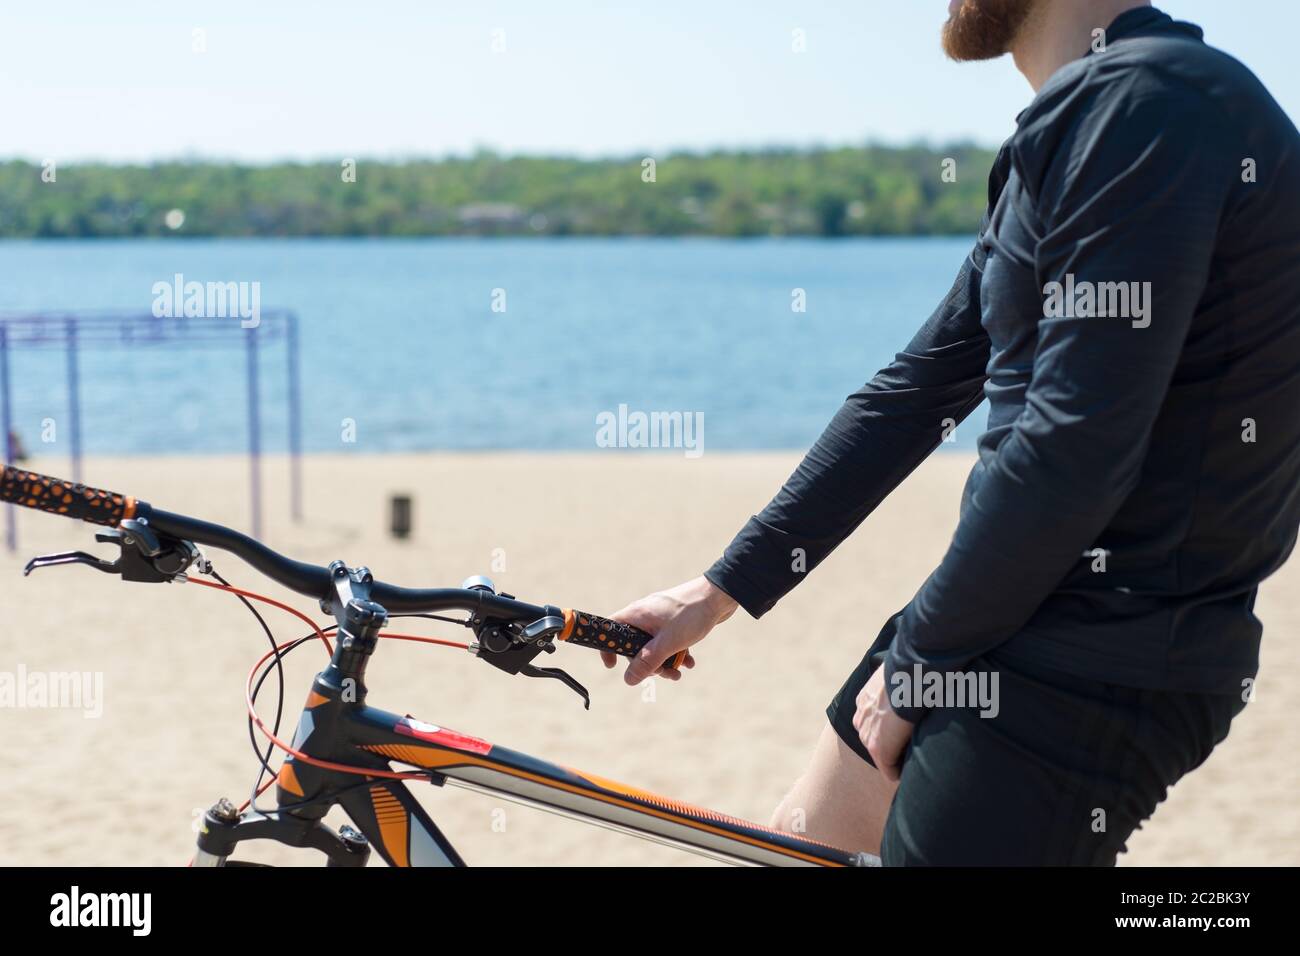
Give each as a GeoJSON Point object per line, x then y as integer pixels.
{"type": "Point", "coordinates": [344, 751]}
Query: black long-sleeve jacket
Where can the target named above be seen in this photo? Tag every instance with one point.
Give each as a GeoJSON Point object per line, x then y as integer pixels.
{"type": "Point", "coordinates": [1132, 312]}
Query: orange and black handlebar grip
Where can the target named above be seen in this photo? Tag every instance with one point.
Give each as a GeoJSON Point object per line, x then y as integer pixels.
{"type": "Point", "coordinates": [61, 497]}
{"type": "Point", "coordinates": [592, 630]}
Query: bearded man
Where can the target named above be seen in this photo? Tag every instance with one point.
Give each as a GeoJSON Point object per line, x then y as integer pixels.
{"type": "Point", "coordinates": [1138, 478]}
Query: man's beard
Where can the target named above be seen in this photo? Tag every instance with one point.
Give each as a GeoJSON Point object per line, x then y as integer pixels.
{"type": "Point", "coordinates": [984, 29]}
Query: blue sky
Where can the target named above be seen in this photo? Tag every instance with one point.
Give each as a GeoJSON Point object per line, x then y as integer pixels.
{"type": "Point", "coordinates": [326, 79]}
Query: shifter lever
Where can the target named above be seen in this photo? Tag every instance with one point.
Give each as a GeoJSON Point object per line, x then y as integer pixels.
{"type": "Point", "coordinates": [542, 628]}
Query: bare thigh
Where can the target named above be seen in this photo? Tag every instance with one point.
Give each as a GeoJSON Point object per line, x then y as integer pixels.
{"type": "Point", "coordinates": [839, 799]}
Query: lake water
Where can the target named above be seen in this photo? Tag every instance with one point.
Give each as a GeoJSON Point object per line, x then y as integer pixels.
{"type": "Point", "coordinates": [400, 337]}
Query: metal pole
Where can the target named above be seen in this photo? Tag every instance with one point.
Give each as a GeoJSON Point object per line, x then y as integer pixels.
{"type": "Point", "coordinates": [6, 423]}
{"type": "Point", "coordinates": [254, 434]}
{"type": "Point", "coordinates": [74, 399]}
{"type": "Point", "coordinates": [295, 422]}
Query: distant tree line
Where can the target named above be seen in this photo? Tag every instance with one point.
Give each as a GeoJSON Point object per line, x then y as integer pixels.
{"type": "Point", "coordinates": [873, 190]}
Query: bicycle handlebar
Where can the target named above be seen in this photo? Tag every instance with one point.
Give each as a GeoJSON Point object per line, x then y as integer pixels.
{"type": "Point", "coordinates": [32, 490]}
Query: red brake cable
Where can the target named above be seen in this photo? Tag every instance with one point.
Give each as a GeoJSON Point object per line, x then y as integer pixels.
{"type": "Point", "coordinates": [266, 731]}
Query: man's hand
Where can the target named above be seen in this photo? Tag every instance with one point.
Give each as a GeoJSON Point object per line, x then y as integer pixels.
{"type": "Point", "coordinates": [677, 618]}
{"type": "Point", "coordinates": [882, 732]}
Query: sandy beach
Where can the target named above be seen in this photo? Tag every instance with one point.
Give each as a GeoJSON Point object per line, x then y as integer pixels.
{"type": "Point", "coordinates": [591, 531]}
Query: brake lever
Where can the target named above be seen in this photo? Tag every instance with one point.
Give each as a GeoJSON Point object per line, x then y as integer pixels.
{"type": "Point", "coordinates": [143, 555]}
{"type": "Point", "coordinates": [514, 652]}
{"type": "Point", "coordinates": [73, 557]}
{"type": "Point", "coordinates": [532, 670]}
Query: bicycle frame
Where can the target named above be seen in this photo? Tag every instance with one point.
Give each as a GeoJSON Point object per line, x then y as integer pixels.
{"type": "Point", "coordinates": [335, 730]}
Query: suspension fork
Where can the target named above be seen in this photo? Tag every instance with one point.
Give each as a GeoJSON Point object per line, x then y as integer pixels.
{"type": "Point", "coordinates": [224, 827]}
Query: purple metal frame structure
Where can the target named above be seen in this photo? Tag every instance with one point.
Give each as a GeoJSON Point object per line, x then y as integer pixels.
{"type": "Point", "coordinates": [103, 330]}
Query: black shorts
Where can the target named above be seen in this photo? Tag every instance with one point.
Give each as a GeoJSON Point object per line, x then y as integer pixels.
{"type": "Point", "coordinates": [1062, 775]}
